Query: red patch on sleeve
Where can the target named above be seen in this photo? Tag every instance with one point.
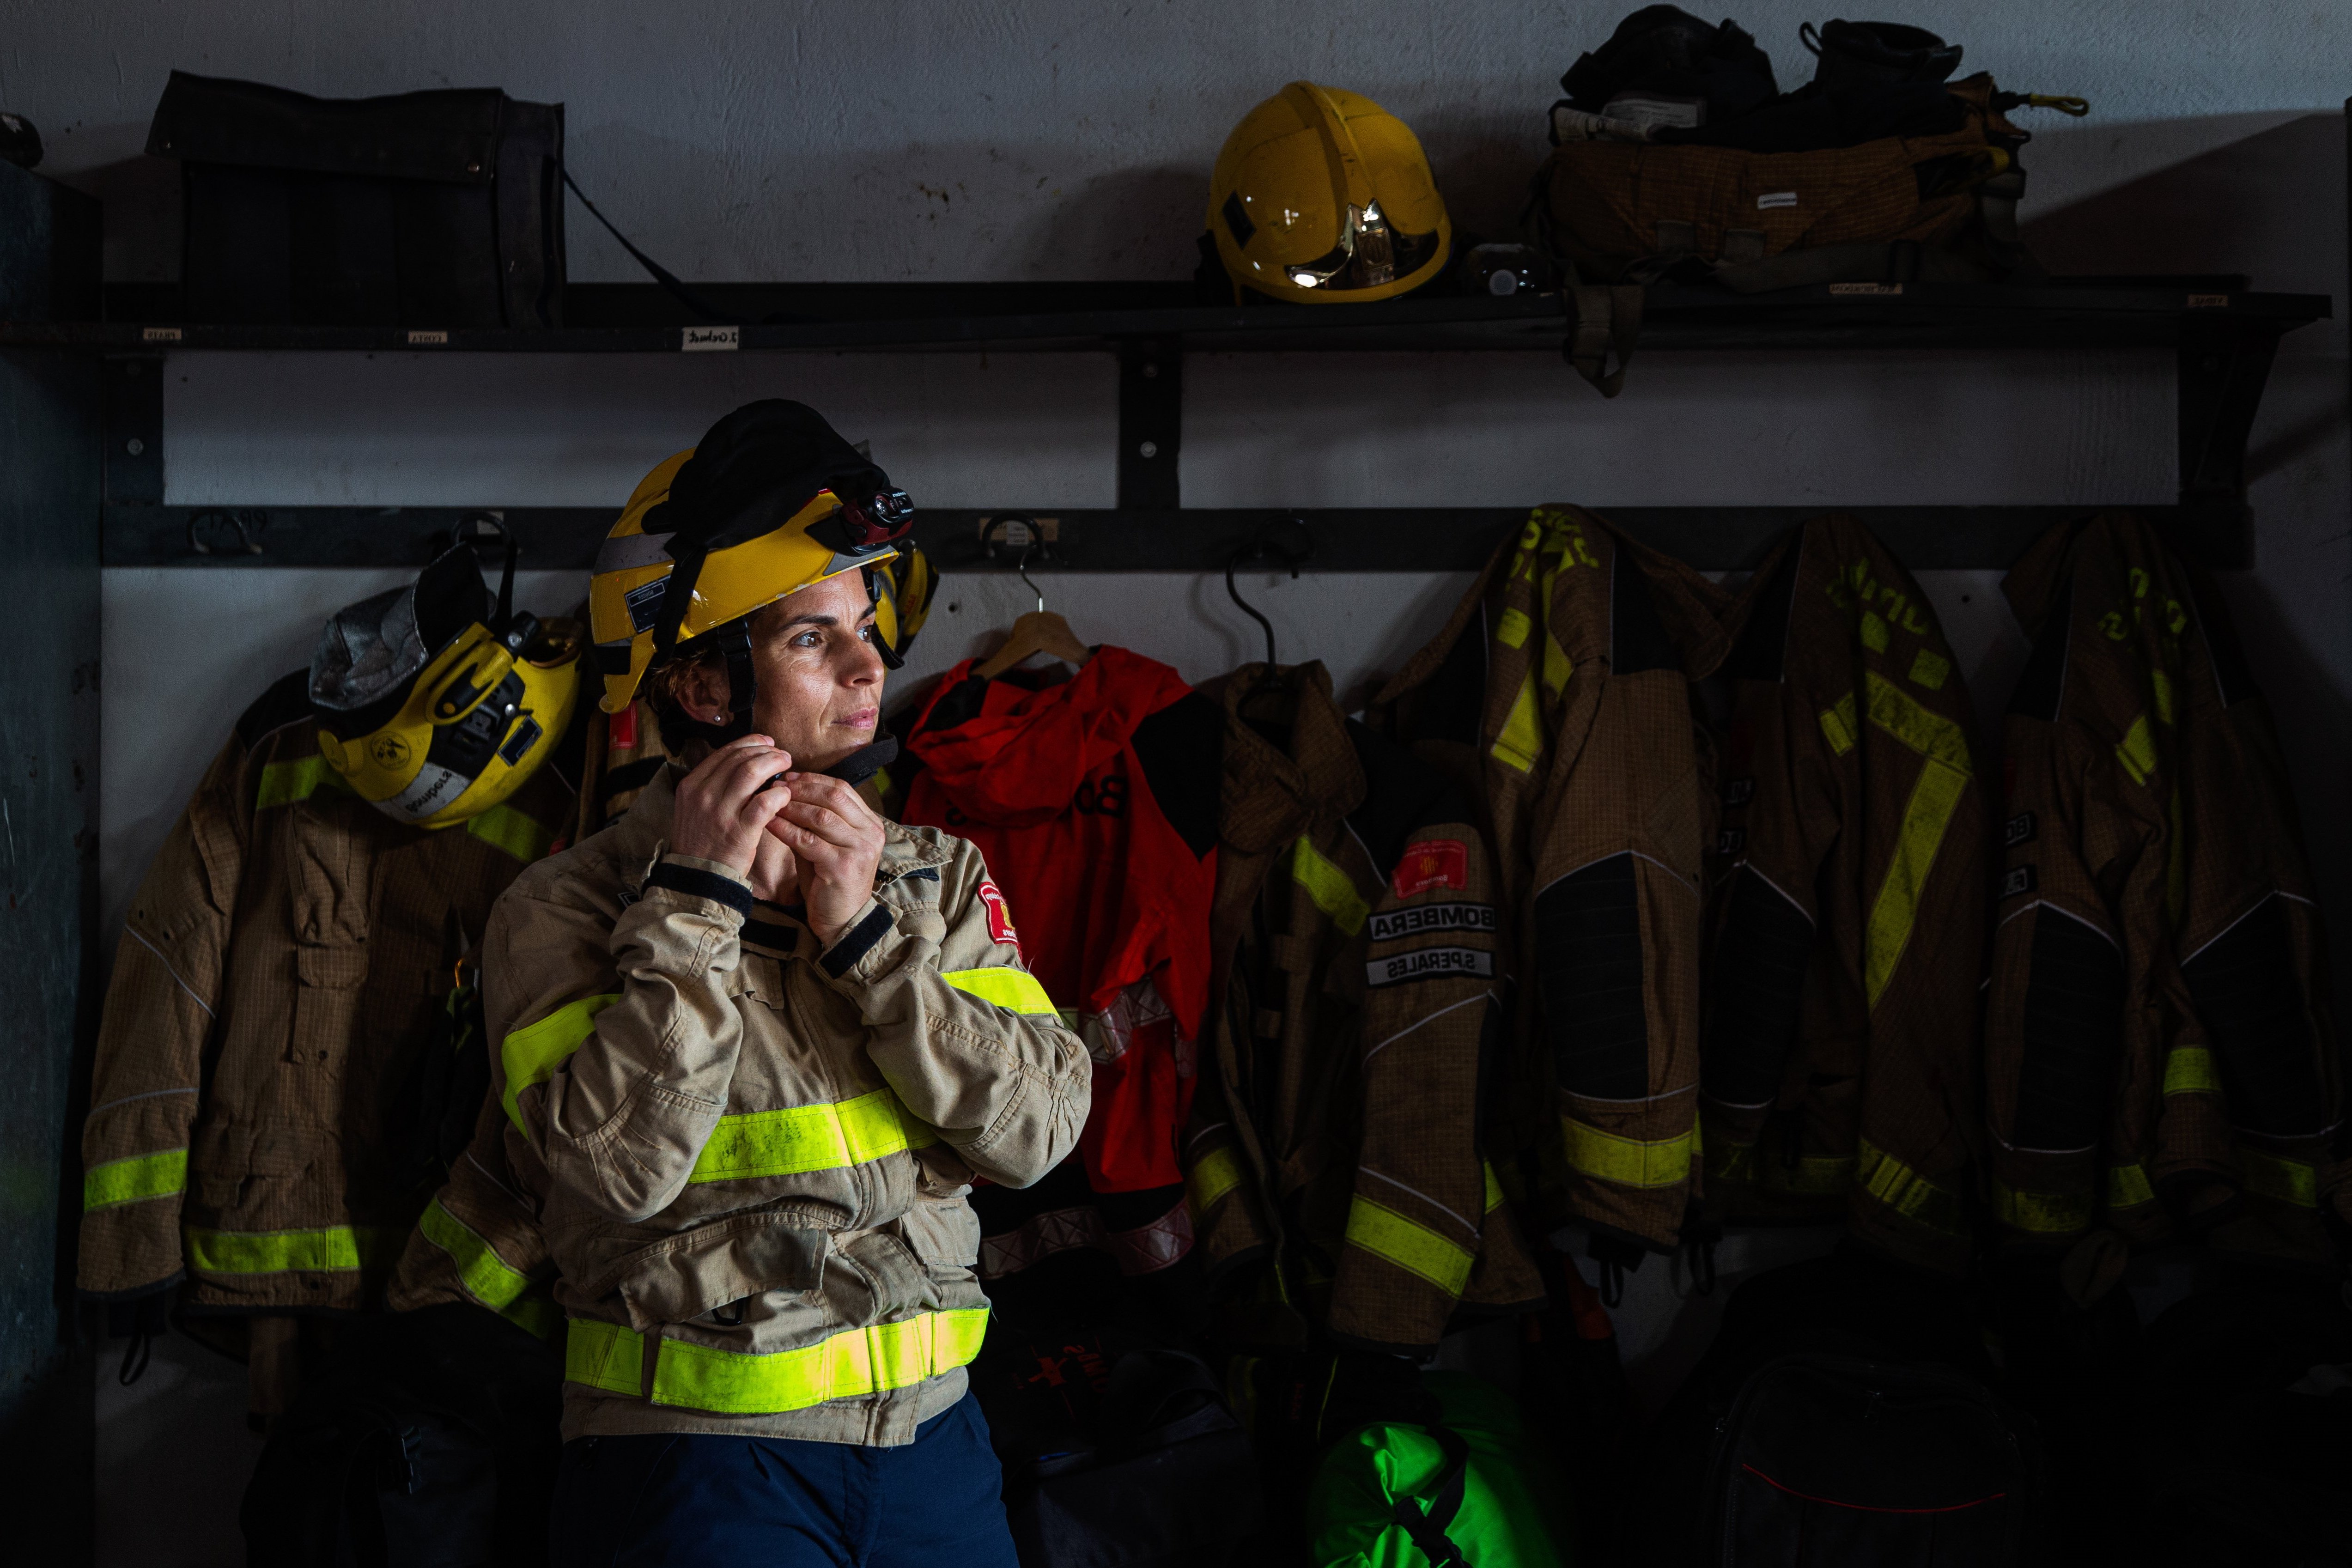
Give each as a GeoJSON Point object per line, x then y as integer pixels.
{"type": "Point", "coordinates": [999, 916]}
{"type": "Point", "coordinates": [1432, 863]}
{"type": "Point", "coordinates": [621, 729]}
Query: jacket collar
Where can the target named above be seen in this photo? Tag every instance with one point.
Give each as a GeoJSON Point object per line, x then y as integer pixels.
{"type": "Point", "coordinates": [1272, 793]}
{"type": "Point", "coordinates": [642, 832]}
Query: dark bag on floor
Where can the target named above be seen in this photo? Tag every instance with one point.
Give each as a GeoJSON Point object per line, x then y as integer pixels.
{"type": "Point", "coordinates": [1118, 1461]}
{"type": "Point", "coordinates": [1831, 1460]}
{"type": "Point", "coordinates": [428, 1440]}
{"type": "Point", "coordinates": [424, 209]}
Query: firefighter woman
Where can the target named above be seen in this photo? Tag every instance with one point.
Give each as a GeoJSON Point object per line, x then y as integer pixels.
{"type": "Point", "coordinates": [755, 1043]}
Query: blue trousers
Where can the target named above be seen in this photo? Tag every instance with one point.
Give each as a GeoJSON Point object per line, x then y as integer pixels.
{"type": "Point", "coordinates": [692, 1500]}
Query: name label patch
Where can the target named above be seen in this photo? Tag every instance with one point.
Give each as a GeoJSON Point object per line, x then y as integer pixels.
{"type": "Point", "coordinates": [1430, 964]}
{"type": "Point", "coordinates": [1434, 863]}
{"type": "Point", "coordinates": [2020, 829]}
{"type": "Point", "coordinates": [1424, 918]}
{"type": "Point", "coordinates": [2018, 879]}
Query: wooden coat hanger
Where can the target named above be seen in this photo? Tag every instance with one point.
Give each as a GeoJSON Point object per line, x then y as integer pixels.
{"type": "Point", "coordinates": [1038, 631]}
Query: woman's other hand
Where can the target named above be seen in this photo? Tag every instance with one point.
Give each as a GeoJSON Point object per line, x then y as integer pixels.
{"type": "Point", "coordinates": [836, 839]}
{"type": "Point", "coordinates": [724, 805]}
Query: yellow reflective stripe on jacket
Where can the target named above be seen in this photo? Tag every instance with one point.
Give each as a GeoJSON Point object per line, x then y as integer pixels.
{"type": "Point", "coordinates": [1213, 1174]}
{"type": "Point", "coordinates": [1411, 1246]}
{"type": "Point", "coordinates": [2054, 1214]}
{"type": "Point", "coordinates": [1493, 1186]}
{"type": "Point", "coordinates": [805, 1138]}
{"type": "Point", "coordinates": [1814, 1175]}
{"type": "Point", "coordinates": [2127, 1187]}
{"type": "Point", "coordinates": [328, 1250]}
{"type": "Point", "coordinates": [535, 1314]}
{"type": "Point", "coordinates": [2285, 1181]}
{"type": "Point", "coordinates": [734, 1383]}
{"type": "Point", "coordinates": [2188, 1069]}
{"type": "Point", "coordinates": [1837, 725]}
{"type": "Point", "coordinates": [532, 1054]}
{"type": "Point", "coordinates": [504, 828]}
{"type": "Point", "coordinates": [1628, 1162]}
{"type": "Point", "coordinates": [1333, 890]}
{"type": "Point", "coordinates": [1905, 1190]}
{"type": "Point", "coordinates": [1014, 990]}
{"type": "Point", "coordinates": [1521, 742]}
{"type": "Point", "coordinates": [158, 1175]}
{"type": "Point", "coordinates": [487, 1275]}
{"type": "Point", "coordinates": [1943, 779]}
{"type": "Point", "coordinates": [2137, 752]}
{"type": "Point", "coordinates": [283, 784]}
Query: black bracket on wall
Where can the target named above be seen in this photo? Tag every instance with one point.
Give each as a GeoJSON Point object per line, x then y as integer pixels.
{"type": "Point", "coordinates": [1151, 423]}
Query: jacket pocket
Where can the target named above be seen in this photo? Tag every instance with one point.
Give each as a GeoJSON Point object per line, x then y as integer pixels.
{"type": "Point", "coordinates": [942, 1233]}
{"type": "Point", "coordinates": [876, 1275]}
{"type": "Point", "coordinates": [326, 1003]}
{"type": "Point", "coordinates": [682, 1277]}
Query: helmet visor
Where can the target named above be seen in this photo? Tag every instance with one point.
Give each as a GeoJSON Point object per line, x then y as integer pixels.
{"type": "Point", "coordinates": [1369, 255]}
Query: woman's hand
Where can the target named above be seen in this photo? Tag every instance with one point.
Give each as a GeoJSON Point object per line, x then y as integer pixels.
{"type": "Point", "coordinates": [724, 805]}
{"type": "Point", "coordinates": [837, 840]}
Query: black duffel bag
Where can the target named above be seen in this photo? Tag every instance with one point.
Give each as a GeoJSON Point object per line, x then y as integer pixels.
{"type": "Point", "coordinates": [424, 209]}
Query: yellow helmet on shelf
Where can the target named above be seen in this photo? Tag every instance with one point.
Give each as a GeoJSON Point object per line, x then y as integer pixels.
{"type": "Point", "coordinates": [434, 704]}
{"type": "Point", "coordinates": [1321, 195]}
{"type": "Point", "coordinates": [770, 501]}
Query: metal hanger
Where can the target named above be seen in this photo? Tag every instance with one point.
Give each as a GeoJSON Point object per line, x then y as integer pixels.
{"type": "Point", "coordinates": [1036, 631]}
{"type": "Point", "coordinates": [1264, 548]}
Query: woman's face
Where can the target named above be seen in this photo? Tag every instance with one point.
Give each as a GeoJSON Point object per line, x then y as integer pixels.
{"type": "Point", "coordinates": [818, 676]}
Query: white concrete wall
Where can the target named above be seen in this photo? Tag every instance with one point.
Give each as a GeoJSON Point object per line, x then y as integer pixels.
{"type": "Point", "coordinates": [1057, 139]}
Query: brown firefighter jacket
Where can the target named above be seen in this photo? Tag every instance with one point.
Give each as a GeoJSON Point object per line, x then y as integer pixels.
{"type": "Point", "coordinates": [1569, 663]}
{"type": "Point", "coordinates": [1838, 1066]}
{"type": "Point", "coordinates": [1337, 1131]}
{"type": "Point", "coordinates": [478, 1240]}
{"type": "Point", "coordinates": [2160, 1049]}
{"type": "Point", "coordinates": [284, 961]}
{"type": "Point", "coordinates": [748, 1156]}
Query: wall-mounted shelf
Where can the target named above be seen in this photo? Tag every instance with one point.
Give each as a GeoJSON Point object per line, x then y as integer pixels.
{"type": "Point", "coordinates": [2222, 334]}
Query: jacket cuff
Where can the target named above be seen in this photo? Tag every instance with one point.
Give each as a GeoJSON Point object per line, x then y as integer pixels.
{"type": "Point", "coordinates": [697, 877]}
{"type": "Point", "coordinates": [864, 936]}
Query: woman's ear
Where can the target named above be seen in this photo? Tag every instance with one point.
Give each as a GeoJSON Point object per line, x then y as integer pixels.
{"type": "Point", "coordinates": [701, 692]}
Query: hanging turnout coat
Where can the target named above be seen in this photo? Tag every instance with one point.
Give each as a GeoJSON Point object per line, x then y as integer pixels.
{"type": "Point", "coordinates": [2160, 1055]}
{"type": "Point", "coordinates": [1573, 656]}
{"type": "Point", "coordinates": [1340, 1135]}
{"type": "Point", "coordinates": [284, 961]}
{"type": "Point", "coordinates": [1838, 1065]}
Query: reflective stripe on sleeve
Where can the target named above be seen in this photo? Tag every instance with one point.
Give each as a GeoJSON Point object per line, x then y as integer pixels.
{"type": "Point", "coordinates": [142, 1176]}
{"type": "Point", "coordinates": [1905, 1190]}
{"type": "Point", "coordinates": [2049, 1214]}
{"type": "Point", "coordinates": [530, 1055]}
{"type": "Point", "coordinates": [2127, 1186]}
{"type": "Point", "coordinates": [805, 1138]}
{"type": "Point", "coordinates": [1628, 1162]}
{"type": "Point", "coordinates": [2285, 1181]}
{"type": "Point", "coordinates": [733, 1383]}
{"type": "Point", "coordinates": [1333, 890]}
{"type": "Point", "coordinates": [1014, 990]}
{"type": "Point", "coordinates": [2188, 1069]}
{"type": "Point", "coordinates": [326, 1250]}
{"type": "Point", "coordinates": [1411, 1246]}
{"type": "Point", "coordinates": [1493, 1186]}
{"type": "Point", "coordinates": [493, 1283]}
{"type": "Point", "coordinates": [1213, 1174]}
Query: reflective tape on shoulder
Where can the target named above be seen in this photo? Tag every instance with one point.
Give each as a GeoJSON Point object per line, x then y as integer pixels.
{"type": "Point", "coordinates": [1212, 1175]}
{"type": "Point", "coordinates": [2128, 1186]}
{"type": "Point", "coordinates": [283, 784]}
{"type": "Point", "coordinates": [131, 1181]}
{"type": "Point", "coordinates": [1896, 910]}
{"type": "Point", "coordinates": [2188, 1069]}
{"type": "Point", "coordinates": [803, 1137]}
{"type": "Point", "coordinates": [1837, 725]}
{"type": "Point", "coordinates": [1926, 732]}
{"type": "Point", "coordinates": [1905, 1190]}
{"type": "Point", "coordinates": [1333, 890]}
{"type": "Point", "coordinates": [2045, 1214]}
{"type": "Point", "coordinates": [733, 1383]}
{"type": "Point", "coordinates": [492, 1282]}
{"type": "Point", "coordinates": [503, 828]}
{"type": "Point", "coordinates": [1014, 990]}
{"type": "Point", "coordinates": [2282, 1180]}
{"type": "Point", "coordinates": [329, 1249]}
{"type": "Point", "coordinates": [2137, 751]}
{"type": "Point", "coordinates": [1411, 1246]}
{"type": "Point", "coordinates": [1628, 1162]}
{"type": "Point", "coordinates": [1522, 742]}
{"type": "Point", "coordinates": [532, 1054]}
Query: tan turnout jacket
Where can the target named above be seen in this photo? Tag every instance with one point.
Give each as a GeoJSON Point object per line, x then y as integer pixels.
{"type": "Point", "coordinates": [2160, 1056]}
{"type": "Point", "coordinates": [1838, 1069]}
{"type": "Point", "coordinates": [284, 961]}
{"type": "Point", "coordinates": [749, 1157]}
{"type": "Point", "coordinates": [1570, 662]}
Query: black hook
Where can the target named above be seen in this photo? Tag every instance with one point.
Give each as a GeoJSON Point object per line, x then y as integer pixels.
{"type": "Point", "coordinates": [1260, 549]}
{"type": "Point", "coordinates": [468, 532]}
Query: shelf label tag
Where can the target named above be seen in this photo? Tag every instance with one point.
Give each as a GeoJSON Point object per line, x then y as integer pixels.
{"type": "Point", "coordinates": [417, 338]}
{"type": "Point", "coordinates": [159, 334]}
{"type": "Point", "coordinates": [1874, 289]}
{"type": "Point", "coordinates": [710, 340]}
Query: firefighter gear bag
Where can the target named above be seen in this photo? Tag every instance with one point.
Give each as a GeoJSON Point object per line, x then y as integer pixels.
{"type": "Point", "coordinates": [423, 209]}
{"type": "Point", "coordinates": [1454, 1492]}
